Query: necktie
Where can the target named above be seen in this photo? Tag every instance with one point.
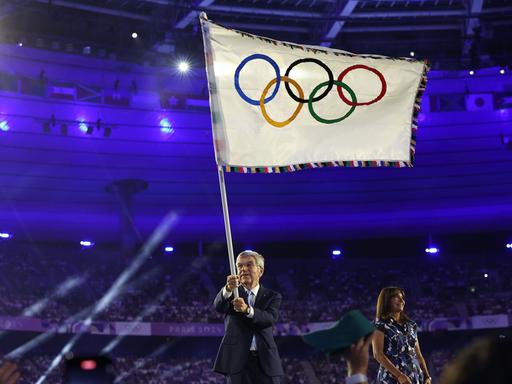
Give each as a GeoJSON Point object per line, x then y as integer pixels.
{"type": "Point", "coordinates": [250, 301]}
{"type": "Point", "coordinates": [250, 298]}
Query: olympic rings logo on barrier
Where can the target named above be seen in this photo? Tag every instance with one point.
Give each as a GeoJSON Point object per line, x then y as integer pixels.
{"type": "Point", "coordinates": [312, 98]}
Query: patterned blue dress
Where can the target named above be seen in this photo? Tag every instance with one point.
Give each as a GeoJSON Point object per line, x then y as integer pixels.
{"type": "Point", "coordinates": [399, 343]}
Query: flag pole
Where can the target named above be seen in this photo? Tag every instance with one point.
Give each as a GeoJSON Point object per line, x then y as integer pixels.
{"type": "Point", "coordinates": [227, 225]}
{"type": "Point", "coordinates": [213, 96]}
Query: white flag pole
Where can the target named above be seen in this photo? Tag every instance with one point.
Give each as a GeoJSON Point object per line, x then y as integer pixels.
{"type": "Point", "coordinates": [211, 80]}
{"type": "Point", "coordinates": [227, 225]}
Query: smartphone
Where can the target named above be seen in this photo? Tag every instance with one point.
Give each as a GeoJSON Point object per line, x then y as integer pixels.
{"type": "Point", "coordinates": [89, 370]}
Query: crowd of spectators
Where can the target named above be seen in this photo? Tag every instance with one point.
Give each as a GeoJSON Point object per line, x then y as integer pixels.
{"type": "Point", "coordinates": [319, 368]}
{"type": "Point", "coordinates": [151, 370]}
{"type": "Point", "coordinates": [181, 290]}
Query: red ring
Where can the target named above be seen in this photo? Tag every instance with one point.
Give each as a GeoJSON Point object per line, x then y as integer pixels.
{"type": "Point", "coordinates": [358, 66]}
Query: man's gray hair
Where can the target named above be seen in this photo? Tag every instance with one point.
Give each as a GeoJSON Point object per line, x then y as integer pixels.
{"type": "Point", "coordinates": [260, 260]}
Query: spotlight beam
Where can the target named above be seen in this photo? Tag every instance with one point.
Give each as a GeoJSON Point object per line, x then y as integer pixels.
{"type": "Point", "coordinates": [156, 238]}
{"type": "Point", "coordinates": [62, 290]}
{"type": "Point", "coordinates": [148, 310]}
{"type": "Point", "coordinates": [157, 352]}
{"type": "Point", "coordinates": [38, 340]}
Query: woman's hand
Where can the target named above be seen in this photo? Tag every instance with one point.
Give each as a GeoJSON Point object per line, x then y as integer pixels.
{"type": "Point", "coordinates": [404, 379]}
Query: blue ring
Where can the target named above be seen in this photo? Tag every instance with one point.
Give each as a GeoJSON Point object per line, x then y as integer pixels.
{"type": "Point", "coordinates": [237, 75]}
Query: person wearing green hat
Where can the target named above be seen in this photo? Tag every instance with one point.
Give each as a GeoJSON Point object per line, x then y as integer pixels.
{"type": "Point", "coordinates": [395, 342]}
{"type": "Point", "coordinates": [349, 336]}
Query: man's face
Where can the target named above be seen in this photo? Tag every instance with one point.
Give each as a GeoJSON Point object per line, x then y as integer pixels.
{"type": "Point", "coordinates": [249, 272]}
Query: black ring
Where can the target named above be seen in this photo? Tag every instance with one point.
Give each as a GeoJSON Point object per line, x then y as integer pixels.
{"type": "Point", "coordinates": [323, 94]}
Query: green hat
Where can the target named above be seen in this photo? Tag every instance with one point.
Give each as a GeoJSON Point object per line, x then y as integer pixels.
{"type": "Point", "coordinates": [347, 330]}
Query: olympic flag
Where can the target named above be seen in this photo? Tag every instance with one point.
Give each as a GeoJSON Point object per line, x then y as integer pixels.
{"type": "Point", "coordinates": [280, 107]}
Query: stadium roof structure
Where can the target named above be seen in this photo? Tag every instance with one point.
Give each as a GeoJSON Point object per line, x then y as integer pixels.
{"type": "Point", "coordinates": [54, 177]}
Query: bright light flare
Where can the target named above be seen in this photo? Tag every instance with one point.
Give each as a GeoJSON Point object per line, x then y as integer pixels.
{"type": "Point", "coordinates": [183, 66]}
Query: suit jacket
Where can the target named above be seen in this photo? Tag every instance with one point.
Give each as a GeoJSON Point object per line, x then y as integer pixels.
{"type": "Point", "coordinates": [239, 330]}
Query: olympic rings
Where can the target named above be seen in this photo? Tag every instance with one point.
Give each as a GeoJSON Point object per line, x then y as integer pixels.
{"type": "Point", "coordinates": [278, 124]}
{"type": "Point", "coordinates": [361, 66]}
{"type": "Point", "coordinates": [316, 61]}
{"type": "Point", "coordinates": [340, 86]}
{"type": "Point", "coordinates": [237, 77]}
{"type": "Point", "coordinates": [332, 121]}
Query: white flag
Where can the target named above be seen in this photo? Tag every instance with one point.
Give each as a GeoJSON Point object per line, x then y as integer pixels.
{"type": "Point", "coordinates": [278, 106]}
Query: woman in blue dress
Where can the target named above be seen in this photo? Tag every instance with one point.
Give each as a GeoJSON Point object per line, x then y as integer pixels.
{"type": "Point", "coordinates": [395, 342]}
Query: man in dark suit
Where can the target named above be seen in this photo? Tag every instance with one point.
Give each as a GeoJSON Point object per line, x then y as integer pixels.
{"type": "Point", "coordinates": [248, 353]}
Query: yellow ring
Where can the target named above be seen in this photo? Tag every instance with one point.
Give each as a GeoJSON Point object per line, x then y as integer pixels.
{"type": "Point", "coordinates": [280, 124]}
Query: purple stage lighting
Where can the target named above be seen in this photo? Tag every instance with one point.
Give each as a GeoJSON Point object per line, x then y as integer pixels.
{"type": "Point", "coordinates": [168, 249]}
{"type": "Point", "coordinates": [509, 245]}
{"type": "Point", "coordinates": [5, 235]}
{"type": "Point", "coordinates": [432, 250]}
{"type": "Point", "coordinates": [4, 126]}
{"type": "Point", "coordinates": [502, 71]}
{"type": "Point", "coordinates": [166, 126]}
{"type": "Point", "coordinates": [471, 72]}
{"type": "Point", "coordinates": [86, 243]}
{"type": "Point", "coordinates": [20, 44]}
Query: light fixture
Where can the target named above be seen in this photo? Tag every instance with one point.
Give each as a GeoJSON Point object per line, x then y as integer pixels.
{"type": "Point", "coordinates": [20, 44]}
{"type": "Point", "coordinates": [502, 71]}
{"type": "Point", "coordinates": [471, 72]}
{"type": "Point", "coordinates": [168, 249]}
{"type": "Point", "coordinates": [509, 245]}
{"type": "Point", "coordinates": [134, 35]}
{"type": "Point", "coordinates": [336, 254]}
{"type": "Point", "coordinates": [412, 53]}
{"type": "Point", "coordinates": [486, 275]}
{"type": "Point", "coordinates": [83, 126]}
{"type": "Point", "coordinates": [86, 243]}
{"type": "Point", "coordinates": [4, 125]}
{"type": "Point", "coordinates": [432, 250]}
{"type": "Point", "coordinates": [183, 66]}
{"type": "Point", "coordinates": [5, 235]}
{"type": "Point", "coordinates": [166, 126]}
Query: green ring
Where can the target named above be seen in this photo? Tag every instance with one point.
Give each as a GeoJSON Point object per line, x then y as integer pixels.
{"type": "Point", "coordinates": [326, 121]}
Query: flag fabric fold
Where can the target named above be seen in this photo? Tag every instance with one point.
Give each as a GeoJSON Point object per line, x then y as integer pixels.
{"type": "Point", "coordinates": [282, 107]}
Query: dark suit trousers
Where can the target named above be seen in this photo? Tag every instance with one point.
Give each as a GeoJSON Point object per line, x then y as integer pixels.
{"type": "Point", "coordinates": [253, 374]}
